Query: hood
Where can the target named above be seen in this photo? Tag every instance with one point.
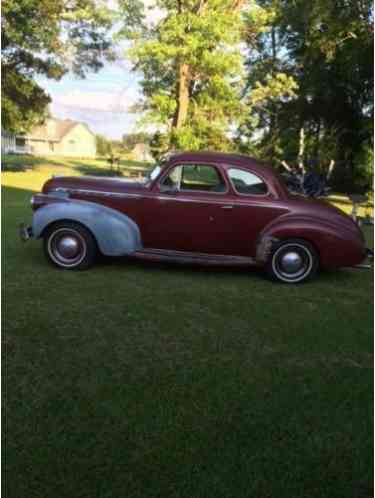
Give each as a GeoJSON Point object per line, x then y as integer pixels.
{"type": "Point", "coordinates": [95, 183]}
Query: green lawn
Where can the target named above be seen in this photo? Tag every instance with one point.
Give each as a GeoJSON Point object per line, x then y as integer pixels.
{"type": "Point", "coordinates": [145, 380]}
{"type": "Point", "coordinates": [43, 168]}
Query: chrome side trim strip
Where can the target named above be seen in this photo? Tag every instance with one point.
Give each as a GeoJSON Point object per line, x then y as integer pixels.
{"type": "Point", "coordinates": [96, 192]}
{"type": "Point", "coordinates": [120, 195]}
{"type": "Point", "coordinates": [223, 202]}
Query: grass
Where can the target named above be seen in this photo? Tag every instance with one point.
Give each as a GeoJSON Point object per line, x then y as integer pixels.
{"type": "Point", "coordinates": [43, 168]}
{"type": "Point", "coordinates": [145, 380]}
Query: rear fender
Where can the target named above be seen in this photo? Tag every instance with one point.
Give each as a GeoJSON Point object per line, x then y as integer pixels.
{"type": "Point", "coordinates": [116, 234]}
{"type": "Point", "coordinates": [335, 245]}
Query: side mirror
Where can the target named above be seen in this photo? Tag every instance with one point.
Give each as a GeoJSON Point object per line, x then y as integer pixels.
{"type": "Point", "coordinates": [168, 189]}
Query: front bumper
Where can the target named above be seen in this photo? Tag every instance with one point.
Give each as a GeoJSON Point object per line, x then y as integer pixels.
{"type": "Point", "coordinates": [25, 232]}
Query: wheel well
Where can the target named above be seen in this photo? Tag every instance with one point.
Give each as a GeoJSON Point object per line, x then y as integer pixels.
{"type": "Point", "coordinates": [266, 245]}
{"type": "Point", "coordinates": [302, 239]}
{"type": "Point", "coordinates": [69, 220]}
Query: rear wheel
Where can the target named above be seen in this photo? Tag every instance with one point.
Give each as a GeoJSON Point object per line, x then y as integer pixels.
{"type": "Point", "coordinates": [70, 245]}
{"type": "Point", "coordinates": [293, 261]}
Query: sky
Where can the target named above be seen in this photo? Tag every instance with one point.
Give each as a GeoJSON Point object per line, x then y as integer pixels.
{"type": "Point", "coordinates": [102, 100]}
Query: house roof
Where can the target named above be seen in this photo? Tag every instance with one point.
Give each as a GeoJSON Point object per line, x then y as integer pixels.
{"type": "Point", "coordinates": [53, 130]}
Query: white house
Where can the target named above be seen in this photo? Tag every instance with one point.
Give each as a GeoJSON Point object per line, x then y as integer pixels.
{"type": "Point", "coordinates": [55, 137]}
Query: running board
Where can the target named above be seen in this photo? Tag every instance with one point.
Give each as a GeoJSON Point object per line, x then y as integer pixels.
{"type": "Point", "coordinates": [193, 258]}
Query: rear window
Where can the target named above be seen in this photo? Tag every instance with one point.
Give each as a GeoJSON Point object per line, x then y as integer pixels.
{"type": "Point", "coordinates": [246, 183]}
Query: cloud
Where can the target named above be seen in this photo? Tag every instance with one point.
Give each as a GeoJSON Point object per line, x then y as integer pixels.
{"type": "Point", "coordinates": [98, 101]}
{"type": "Point", "coordinates": [106, 112]}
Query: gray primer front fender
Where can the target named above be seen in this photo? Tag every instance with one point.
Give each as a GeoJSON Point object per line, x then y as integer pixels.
{"type": "Point", "coordinates": [115, 233]}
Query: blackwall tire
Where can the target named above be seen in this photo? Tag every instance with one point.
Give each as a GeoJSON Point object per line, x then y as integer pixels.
{"type": "Point", "coordinates": [70, 246]}
{"type": "Point", "coordinates": [293, 261]}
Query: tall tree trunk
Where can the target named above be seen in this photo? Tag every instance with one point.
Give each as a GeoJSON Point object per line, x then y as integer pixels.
{"type": "Point", "coordinates": [273, 105]}
{"type": "Point", "coordinates": [301, 150]}
{"type": "Point", "coordinates": [182, 96]}
{"type": "Point", "coordinates": [184, 76]}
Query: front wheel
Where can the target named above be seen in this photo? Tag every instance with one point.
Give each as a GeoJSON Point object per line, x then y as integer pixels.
{"type": "Point", "coordinates": [70, 245]}
{"type": "Point", "coordinates": [293, 261]}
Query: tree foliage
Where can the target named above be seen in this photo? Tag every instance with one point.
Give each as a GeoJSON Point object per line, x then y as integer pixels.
{"type": "Point", "coordinates": [129, 140]}
{"type": "Point", "coordinates": [47, 37]}
{"type": "Point", "coordinates": [192, 68]}
{"type": "Point", "coordinates": [255, 75]}
{"type": "Point", "coordinates": [326, 47]}
{"type": "Point", "coordinates": [307, 67]}
{"type": "Point", "coordinates": [103, 146]}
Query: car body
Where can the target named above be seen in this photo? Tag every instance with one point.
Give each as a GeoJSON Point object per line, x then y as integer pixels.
{"type": "Point", "coordinates": [203, 207]}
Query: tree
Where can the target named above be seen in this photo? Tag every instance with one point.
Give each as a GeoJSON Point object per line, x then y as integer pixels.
{"type": "Point", "coordinates": [192, 68]}
{"type": "Point", "coordinates": [47, 37]}
{"type": "Point", "coordinates": [129, 140]}
{"type": "Point", "coordinates": [331, 43]}
{"type": "Point", "coordinates": [103, 146]}
{"type": "Point", "coordinates": [325, 46]}
{"type": "Point", "coordinates": [270, 84]}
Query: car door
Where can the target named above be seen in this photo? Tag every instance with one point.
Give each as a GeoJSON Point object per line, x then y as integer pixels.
{"type": "Point", "coordinates": [249, 207]}
{"type": "Point", "coordinates": [179, 214]}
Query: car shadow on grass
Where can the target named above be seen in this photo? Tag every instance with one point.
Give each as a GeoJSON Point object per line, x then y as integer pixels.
{"type": "Point", "coordinates": [225, 271]}
{"type": "Point", "coordinates": [92, 171]}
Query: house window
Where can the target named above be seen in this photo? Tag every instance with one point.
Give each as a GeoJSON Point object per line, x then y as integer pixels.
{"type": "Point", "coordinates": [51, 146]}
{"type": "Point", "coordinates": [20, 142]}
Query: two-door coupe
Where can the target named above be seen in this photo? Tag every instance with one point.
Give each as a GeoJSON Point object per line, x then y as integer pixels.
{"type": "Point", "coordinates": [201, 207]}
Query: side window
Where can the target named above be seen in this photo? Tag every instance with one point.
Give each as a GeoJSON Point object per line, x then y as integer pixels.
{"type": "Point", "coordinates": [202, 177]}
{"type": "Point", "coordinates": [174, 178]}
{"type": "Point", "coordinates": [245, 182]}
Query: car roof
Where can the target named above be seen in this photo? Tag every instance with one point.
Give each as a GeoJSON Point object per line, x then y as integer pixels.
{"type": "Point", "coordinates": [221, 157]}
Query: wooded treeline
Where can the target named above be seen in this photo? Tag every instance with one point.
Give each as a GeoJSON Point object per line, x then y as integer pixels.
{"type": "Point", "coordinates": [252, 76]}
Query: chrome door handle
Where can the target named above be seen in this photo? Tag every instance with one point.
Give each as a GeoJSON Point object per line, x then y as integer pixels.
{"type": "Point", "coordinates": [227, 207]}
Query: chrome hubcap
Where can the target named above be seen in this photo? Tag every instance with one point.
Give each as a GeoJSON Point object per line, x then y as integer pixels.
{"type": "Point", "coordinates": [291, 262]}
{"type": "Point", "coordinates": [67, 247]}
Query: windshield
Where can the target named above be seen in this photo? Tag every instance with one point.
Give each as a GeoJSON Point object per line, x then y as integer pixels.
{"type": "Point", "coordinates": [154, 172]}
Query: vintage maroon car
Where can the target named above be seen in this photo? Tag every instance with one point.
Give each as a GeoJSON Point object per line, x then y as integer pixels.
{"type": "Point", "coordinates": [201, 207]}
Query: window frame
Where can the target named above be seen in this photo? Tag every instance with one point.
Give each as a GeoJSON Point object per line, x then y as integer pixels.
{"type": "Point", "coordinates": [219, 171]}
{"type": "Point", "coordinates": [229, 167]}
